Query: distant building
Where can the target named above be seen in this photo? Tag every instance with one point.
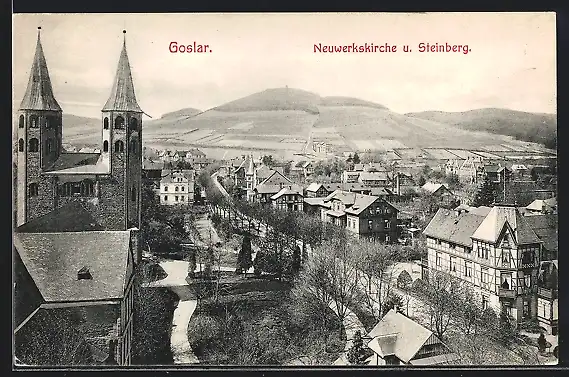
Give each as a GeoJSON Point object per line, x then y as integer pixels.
{"type": "Point", "coordinates": [177, 187]}
{"type": "Point", "coordinates": [263, 192]}
{"type": "Point", "coordinates": [547, 296]}
{"type": "Point", "coordinates": [495, 173]}
{"type": "Point", "coordinates": [363, 215]}
{"type": "Point", "coordinates": [398, 340]}
{"type": "Point", "coordinates": [320, 147]}
{"type": "Point", "coordinates": [152, 169]}
{"type": "Point", "coordinates": [542, 207]}
{"type": "Point", "coordinates": [316, 190]}
{"type": "Point", "coordinates": [302, 169]}
{"type": "Point", "coordinates": [289, 198]}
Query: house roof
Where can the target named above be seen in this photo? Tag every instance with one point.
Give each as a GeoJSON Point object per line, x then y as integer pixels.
{"type": "Point", "coordinates": [71, 217]}
{"type": "Point", "coordinates": [410, 336]}
{"type": "Point", "coordinates": [275, 172]}
{"type": "Point", "coordinates": [335, 213]}
{"type": "Point", "coordinates": [264, 172]}
{"type": "Point", "coordinates": [494, 168]}
{"type": "Point", "coordinates": [546, 228]}
{"type": "Point", "coordinates": [82, 164]}
{"type": "Point", "coordinates": [39, 92]}
{"type": "Point", "coordinates": [313, 187]}
{"type": "Point", "coordinates": [168, 176]}
{"type": "Point", "coordinates": [152, 165]}
{"type": "Point", "coordinates": [68, 160]}
{"type": "Point", "coordinates": [288, 190]}
{"type": "Point", "coordinates": [267, 189]}
{"type": "Point", "coordinates": [490, 229]}
{"type": "Point", "coordinates": [434, 187]}
{"type": "Point", "coordinates": [54, 259]}
{"type": "Point", "coordinates": [380, 191]}
{"type": "Point", "coordinates": [383, 345]}
{"type": "Point", "coordinates": [361, 202]}
{"type": "Point", "coordinates": [314, 201]}
{"type": "Point", "coordinates": [122, 94]}
{"type": "Point", "coordinates": [373, 176]}
{"type": "Point", "coordinates": [542, 204]}
{"type": "Point", "coordinates": [446, 358]}
{"type": "Point", "coordinates": [449, 226]}
{"type": "Point", "coordinates": [250, 164]}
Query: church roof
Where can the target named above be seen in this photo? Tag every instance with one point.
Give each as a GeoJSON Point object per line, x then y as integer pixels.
{"type": "Point", "coordinates": [39, 93]}
{"type": "Point", "coordinates": [122, 95]}
{"type": "Point", "coordinates": [72, 217]}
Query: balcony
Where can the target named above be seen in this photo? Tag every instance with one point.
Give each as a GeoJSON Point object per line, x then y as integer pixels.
{"type": "Point", "coordinates": [506, 293]}
{"type": "Point", "coordinates": [526, 264]}
{"type": "Point", "coordinates": [550, 294]}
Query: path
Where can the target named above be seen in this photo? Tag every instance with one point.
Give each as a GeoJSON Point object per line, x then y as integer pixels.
{"type": "Point", "coordinates": [176, 281]}
{"type": "Point", "coordinates": [351, 325]}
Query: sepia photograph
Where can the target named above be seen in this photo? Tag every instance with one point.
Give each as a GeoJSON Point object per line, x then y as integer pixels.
{"type": "Point", "coordinates": [306, 190]}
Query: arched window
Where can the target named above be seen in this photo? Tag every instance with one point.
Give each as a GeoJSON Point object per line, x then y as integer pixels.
{"type": "Point", "coordinates": [48, 145]}
{"type": "Point", "coordinates": [33, 189]}
{"type": "Point", "coordinates": [21, 145]}
{"type": "Point", "coordinates": [21, 122]}
{"type": "Point", "coordinates": [87, 187]}
{"type": "Point", "coordinates": [34, 121]}
{"type": "Point", "coordinates": [105, 146]}
{"type": "Point", "coordinates": [119, 123]}
{"type": "Point", "coordinates": [67, 189]}
{"type": "Point", "coordinates": [133, 124]}
{"type": "Point", "coordinates": [48, 122]}
{"type": "Point", "coordinates": [133, 145]}
{"type": "Point", "coordinates": [119, 146]}
{"type": "Point", "coordinates": [106, 123]}
{"type": "Point", "coordinates": [133, 194]}
{"type": "Point", "coordinates": [33, 145]}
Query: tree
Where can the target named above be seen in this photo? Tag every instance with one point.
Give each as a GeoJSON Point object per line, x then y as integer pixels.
{"type": "Point", "coordinates": [394, 301]}
{"type": "Point", "coordinates": [268, 161]}
{"type": "Point", "coordinates": [507, 331]}
{"type": "Point", "coordinates": [421, 182]}
{"type": "Point", "coordinates": [356, 158]}
{"type": "Point", "coordinates": [357, 354]}
{"type": "Point", "coordinates": [486, 194]}
{"type": "Point", "coordinates": [244, 261]}
{"type": "Point", "coordinates": [296, 260]}
{"type": "Point", "coordinates": [541, 343]}
{"type": "Point", "coordinates": [192, 263]}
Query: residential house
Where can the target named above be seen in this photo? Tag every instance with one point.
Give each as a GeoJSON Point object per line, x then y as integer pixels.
{"type": "Point", "coordinates": [542, 207]}
{"type": "Point", "coordinates": [468, 171]}
{"type": "Point", "coordinates": [398, 340]}
{"type": "Point", "coordinates": [263, 192]}
{"type": "Point", "coordinates": [439, 191]}
{"type": "Point", "coordinates": [374, 179]}
{"type": "Point", "coordinates": [302, 169]}
{"type": "Point", "coordinates": [152, 169]}
{"type": "Point", "coordinates": [363, 215]}
{"type": "Point", "coordinates": [350, 176]}
{"type": "Point", "coordinates": [263, 172]}
{"type": "Point", "coordinates": [177, 187]}
{"type": "Point", "coordinates": [289, 198]}
{"type": "Point", "coordinates": [313, 206]}
{"type": "Point", "coordinates": [520, 170]}
{"type": "Point", "coordinates": [452, 166]}
{"type": "Point", "coordinates": [401, 181]}
{"type": "Point", "coordinates": [67, 265]}
{"type": "Point", "coordinates": [316, 190]}
{"type": "Point", "coordinates": [320, 147]}
{"type": "Point", "coordinates": [547, 230]}
{"type": "Point", "coordinates": [496, 173]}
{"type": "Point", "coordinates": [244, 177]}
{"type": "Point", "coordinates": [547, 296]}
{"type": "Point", "coordinates": [496, 251]}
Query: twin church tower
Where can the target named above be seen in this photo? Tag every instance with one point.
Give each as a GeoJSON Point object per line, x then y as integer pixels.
{"type": "Point", "coordinates": [107, 184]}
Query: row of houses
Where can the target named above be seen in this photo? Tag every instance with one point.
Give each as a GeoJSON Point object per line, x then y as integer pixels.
{"type": "Point", "coordinates": [167, 159]}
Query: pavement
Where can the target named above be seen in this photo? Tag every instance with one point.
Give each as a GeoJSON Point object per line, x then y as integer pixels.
{"type": "Point", "coordinates": [351, 325]}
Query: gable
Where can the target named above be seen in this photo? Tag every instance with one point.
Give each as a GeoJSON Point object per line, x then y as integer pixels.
{"type": "Point", "coordinates": [276, 179]}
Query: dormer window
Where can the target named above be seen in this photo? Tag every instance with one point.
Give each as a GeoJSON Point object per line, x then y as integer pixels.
{"type": "Point", "coordinates": [84, 274]}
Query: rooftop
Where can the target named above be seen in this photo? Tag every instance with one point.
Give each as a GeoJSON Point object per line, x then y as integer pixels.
{"type": "Point", "coordinates": [71, 217]}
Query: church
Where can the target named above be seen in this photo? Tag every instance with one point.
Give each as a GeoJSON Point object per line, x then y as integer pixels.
{"type": "Point", "coordinates": [76, 242]}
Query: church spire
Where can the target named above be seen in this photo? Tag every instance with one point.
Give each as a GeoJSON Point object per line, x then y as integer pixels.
{"type": "Point", "coordinates": [122, 96]}
{"type": "Point", "coordinates": [39, 93]}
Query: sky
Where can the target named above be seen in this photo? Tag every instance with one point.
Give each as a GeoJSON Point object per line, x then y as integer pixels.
{"type": "Point", "coordinates": [511, 63]}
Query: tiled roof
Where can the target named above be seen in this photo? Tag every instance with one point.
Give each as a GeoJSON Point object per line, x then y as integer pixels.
{"type": "Point", "coordinates": [434, 187]}
{"type": "Point", "coordinates": [546, 228]}
{"type": "Point", "coordinates": [267, 189]}
{"type": "Point", "coordinates": [361, 203]}
{"type": "Point", "coordinates": [380, 191]}
{"type": "Point", "coordinates": [410, 336]}
{"type": "Point", "coordinates": [152, 165]}
{"type": "Point", "coordinates": [85, 166]}
{"type": "Point", "coordinates": [540, 204]}
{"type": "Point", "coordinates": [39, 93]}
{"type": "Point", "coordinates": [335, 213]}
{"type": "Point", "coordinates": [373, 176]}
{"type": "Point", "coordinates": [449, 226]}
{"type": "Point", "coordinates": [289, 190]}
{"type": "Point", "coordinates": [313, 187]}
{"type": "Point", "coordinates": [490, 229]}
{"type": "Point", "coordinates": [314, 201]}
{"type": "Point", "coordinates": [72, 217]}
{"type": "Point", "coordinates": [275, 172]}
{"type": "Point", "coordinates": [122, 94]}
{"type": "Point", "coordinates": [264, 172]}
{"type": "Point", "coordinates": [54, 259]}
{"type": "Point", "coordinates": [70, 160]}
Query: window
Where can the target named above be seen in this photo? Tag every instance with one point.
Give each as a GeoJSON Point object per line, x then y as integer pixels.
{"type": "Point", "coordinates": [388, 224]}
{"type": "Point", "coordinates": [176, 198]}
{"type": "Point", "coordinates": [133, 124]}
{"type": "Point", "coordinates": [452, 264]}
{"type": "Point", "coordinates": [87, 187]}
{"type": "Point", "coordinates": [506, 257]}
{"type": "Point", "coordinates": [166, 198]}
{"type": "Point", "coordinates": [387, 238]}
{"type": "Point", "coordinates": [105, 146]}
{"type": "Point", "coordinates": [48, 123]}
{"type": "Point", "coordinates": [526, 308]}
{"type": "Point", "coordinates": [106, 123]}
{"type": "Point", "coordinates": [21, 122]}
{"type": "Point", "coordinates": [438, 260]}
{"type": "Point", "coordinates": [451, 246]}
{"type": "Point", "coordinates": [176, 188]}
{"type": "Point", "coordinates": [484, 302]}
{"type": "Point", "coordinates": [165, 188]}
{"type": "Point", "coordinates": [183, 198]}
{"type": "Point", "coordinates": [437, 242]}
{"type": "Point", "coordinates": [506, 281]}
{"type": "Point", "coordinates": [34, 122]}
{"type": "Point", "coordinates": [527, 256]}
{"type": "Point", "coordinates": [527, 281]}
{"type": "Point", "coordinates": [119, 146]}
{"type": "Point", "coordinates": [484, 278]}
{"type": "Point", "coordinates": [183, 188]}
{"type": "Point", "coordinates": [21, 145]}
{"type": "Point", "coordinates": [468, 269]}
{"type": "Point", "coordinates": [119, 123]}
{"type": "Point", "coordinates": [483, 250]}
{"type": "Point", "coordinates": [33, 145]}
{"type": "Point", "coordinates": [48, 145]}
{"type": "Point", "coordinates": [133, 194]}
{"type": "Point", "coordinates": [133, 145]}
{"type": "Point", "coordinates": [370, 224]}
{"type": "Point", "coordinates": [33, 189]}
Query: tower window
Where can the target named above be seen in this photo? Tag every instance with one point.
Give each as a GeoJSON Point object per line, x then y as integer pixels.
{"type": "Point", "coordinates": [33, 189]}
{"type": "Point", "coordinates": [106, 123]}
{"type": "Point", "coordinates": [33, 145]}
{"type": "Point", "coordinates": [21, 145]}
{"type": "Point", "coordinates": [133, 194]}
{"type": "Point", "coordinates": [119, 146]}
{"type": "Point", "coordinates": [84, 274]}
{"type": "Point", "coordinates": [34, 121]}
{"type": "Point", "coordinates": [133, 145]}
{"type": "Point", "coordinates": [48, 145]}
{"type": "Point", "coordinates": [47, 122]}
{"type": "Point", "coordinates": [119, 123]}
{"type": "Point", "coordinates": [21, 121]}
{"type": "Point", "coordinates": [133, 124]}
{"type": "Point", "coordinates": [87, 187]}
{"type": "Point", "coordinates": [105, 146]}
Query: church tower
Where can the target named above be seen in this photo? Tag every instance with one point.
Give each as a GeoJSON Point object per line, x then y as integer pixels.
{"type": "Point", "coordinates": [122, 145]}
{"type": "Point", "coordinates": [39, 141]}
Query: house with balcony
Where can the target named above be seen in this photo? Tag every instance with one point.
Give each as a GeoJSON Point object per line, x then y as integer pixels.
{"type": "Point", "coordinates": [398, 340]}
{"type": "Point", "coordinates": [495, 250]}
{"type": "Point", "coordinates": [362, 215]}
{"type": "Point", "coordinates": [289, 198]}
{"type": "Point", "coordinates": [547, 296]}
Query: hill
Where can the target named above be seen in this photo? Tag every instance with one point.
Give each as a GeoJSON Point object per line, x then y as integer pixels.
{"type": "Point", "coordinates": [187, 112]}
{"type": "Point", "coordinates": [532, 127]}
{"type": "Point", "coordinates": [274, 100]}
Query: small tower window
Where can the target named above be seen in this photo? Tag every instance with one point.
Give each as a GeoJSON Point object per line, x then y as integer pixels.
{"type": "Point", "coordinates": [33, 189]}
{"type": "Point", "coordinates": [133, 194]}
{"type": "Point", "coordinates": [105, 146]}
{"type": "Point", "coordinates": [47, 122]}
{"type": "Point", "coordinates": [84, 274]}
{"type": "Point", "coordinates": [21, 145]}
{"type": "Point", "coordinates": [133, 145]}
{"type": "Point", "coordinates": [87, 187]}
{"type": "Point", "coordinates": [119, 146]}
{"type": "Point", "coordinates": [34, 121]}
{"type": "Point", "coordinates": [21, 121]}
{"type": "Point", "coordinates": [48, 145]}
{"type": "Point", "coordinates": [133, 124]}
{"type": "Point", "coordinates": [119, 123]}
{"type": "Point", "coordinates": [106, 123]}
{"type": "Point", "coordinates": [33, 145]}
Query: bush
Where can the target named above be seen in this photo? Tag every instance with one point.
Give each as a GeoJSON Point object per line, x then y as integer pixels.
{"type": "Point", "coordinates": [205, 332]}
